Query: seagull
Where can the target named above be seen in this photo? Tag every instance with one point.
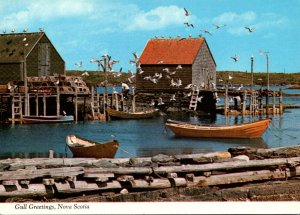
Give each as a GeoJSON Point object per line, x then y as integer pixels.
{"type": "Point", "coordinates": [179, 67]}
{"type": "Point", "coordinates": [140, 71]}
{"type": "Point", "coordinates": [189, 24]}
{"type": "Point", "coordinates": [167, 70]}
{"type": "Point", "coordinates": [114, 91]}
{"type": "Point", "coordinates": [147, 77]}
{"type": "Point", "coordinates": [135, 55]}
{"type": "Point", "coordinates": [189, 86]}
{"type": "Point", "coordinates": [168, 77]}
{"type": "Point", "coordinates": [206, 32]}
{"type": "Point", "coordinates": [173, 83]}
{"type": "Point", "coordinates": [172, 73]}
{"type": "Point", "coordinates": [235, 58]}
{"type": "Point", "coordinates": [25, 30]}
{"type": "Point", "coordinates": [79, 64]}
{"type": "Point", "coordinates": [250, 29]}
{"type": "Point", "coordinates": [218, 26]}
{"type": "Point", "coordinates": [220, 80]}
{"type": "Point", "coordinates": [152, 102]}
{"type": "Point", "coordinates": [240, 87]}
{"type": "Point", "coordinates": [200, 99]}
{"type": "Point", "coordinates": [160, 62]}
{"type": "Point", "coordinates": [13, 30]}
{"type": "Point", "coordinates": [41, 29]}
{"type": "Point", "coordinates": [230, 77]}
{"type": "Point", "coordinates": [186, 12]}
{"type": "Point", "coordinates": [173, 98]}
{"type": "Point", "coordinates": [179, 83]}
{"type": "Point", "coordinates": [160, 101]}
{"type": "Point", "coordinates": [57, 82]}
{"type": "Point", "coordinates": [85, 74]}
{"type": "Point", "coordinates": [4, 31]}
{"type": "Point", "coordinates": [64, 113]}
{"type": "Point", "coordinates": [117, 74]}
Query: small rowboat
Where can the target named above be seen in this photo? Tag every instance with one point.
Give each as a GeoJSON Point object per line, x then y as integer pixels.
{"type": "Point", "coordinates": [136, 115]}
{"type": "Point", "coordinates": [47, 119]}
{"type": "Point", "coordinates": [81, 147]}
{"type": "Point", "coordinates": [246, 130]}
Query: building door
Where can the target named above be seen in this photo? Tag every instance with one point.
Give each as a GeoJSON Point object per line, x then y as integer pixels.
{"type": "Point", "coordinates": [44, 59]}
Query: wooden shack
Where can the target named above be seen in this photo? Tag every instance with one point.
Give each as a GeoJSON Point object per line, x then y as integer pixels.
{"type": "Point", "coordinates": [30, 52]}
{"type": "Point", "coordinates": [181, 61]}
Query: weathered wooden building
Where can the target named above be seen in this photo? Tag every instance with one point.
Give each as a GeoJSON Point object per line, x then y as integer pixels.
{"type": "Point", "coordinates": [181, 61]}
{"type": "Point", "coordinates": [33, 51]}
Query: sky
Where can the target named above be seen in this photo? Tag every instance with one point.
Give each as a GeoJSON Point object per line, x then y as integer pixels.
{"type": "Point", "coordinates": [85, 29]}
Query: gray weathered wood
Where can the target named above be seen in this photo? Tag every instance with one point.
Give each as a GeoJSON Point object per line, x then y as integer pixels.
{"type": "Point", "coordinates": [122, 170]}
{"type": "Point", "coordinates": [242, 177]}
{"type": "Point", "coordinates": [224, 166]}
{"type": "Point", "coordinates": [32, 190]}
{"type": "Point", "coordinates": [30, 174]}
{"type": "Point", "coordinates": [155, 184]}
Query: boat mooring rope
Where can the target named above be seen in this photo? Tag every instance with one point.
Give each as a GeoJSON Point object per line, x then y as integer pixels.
{"type": "Point", "coordinates": [126, 151]}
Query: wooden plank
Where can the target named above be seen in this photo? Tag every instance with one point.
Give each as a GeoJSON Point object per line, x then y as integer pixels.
{"type": "Point", "coordinates": [205, 157]}
{"type": "Point", "coordinates": [10, 182]}
{"type": "Point", "coordinates": [33, 190]}
{"type": "Point", "coordinates": [243, 177]}
{"type": "Point", "coordinates": [89, 174]}
{"type": "Point", "coordinates": [155, 184]}
{"type": "Point", "coordinates": [122, 170]}
{"type": "Point", "coordinates": [225, 165]}
{"type": "Point", "coordinates": [30, 174]}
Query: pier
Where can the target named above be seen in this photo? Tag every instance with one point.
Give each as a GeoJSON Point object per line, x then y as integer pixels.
{"type": "Point", "coordinates": [58, 95]}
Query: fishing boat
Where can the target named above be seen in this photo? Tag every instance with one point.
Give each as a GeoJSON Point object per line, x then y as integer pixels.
{"type": "Point", "coordinates": [81, 147]}
{"type": "Point", "coordinates": [46, 119]}
{"type": "Point", "coordinates": [129, 115]}
{"type": "Point", "coordinates": [245, 130]}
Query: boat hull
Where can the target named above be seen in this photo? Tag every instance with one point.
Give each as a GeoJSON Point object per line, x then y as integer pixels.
{"type": "Point", "coordinates": [91, 149]}
{"type": "Point", "coordinates": [137, 115]}
{"type": "Point", "coordinates": [247, 130]}
{"type": "Point", "coordinates": [46, 119]}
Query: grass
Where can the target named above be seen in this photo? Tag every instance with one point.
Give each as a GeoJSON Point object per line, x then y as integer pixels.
{"type": "Point", "coordinates": [259, 78]}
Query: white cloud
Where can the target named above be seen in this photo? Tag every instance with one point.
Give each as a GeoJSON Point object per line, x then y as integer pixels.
{"type": "Point", "coordinates": [236, 23]}
{"type": "Point", "coordinates": [157, 18]}
{"type": "Point", "coordinates": [40, 10]}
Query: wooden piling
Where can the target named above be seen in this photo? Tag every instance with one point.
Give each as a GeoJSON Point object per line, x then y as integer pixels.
{"type": "Point", "coordinates": [280, 101]}
{"type": "Point", "coordinates": [57, 101]}
{"type": "Point", "coordinates": [36, 104]}
{"type": "Point", "coordinates": [44, 104]}
{"type": "Point", "coordinates": [226, 101]}
{"type": "Point", "coordinates": [244, 102]}
{"type": "Point", "coordinates": [274, 103]}
{"type": "Point", "coordinates": [76, 104]}
{"type": "Point", "coordinates": [117, 101]}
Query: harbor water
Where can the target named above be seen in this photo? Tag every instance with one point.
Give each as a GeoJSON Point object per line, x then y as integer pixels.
{"type": "Point", "coordinates": [139, 138]}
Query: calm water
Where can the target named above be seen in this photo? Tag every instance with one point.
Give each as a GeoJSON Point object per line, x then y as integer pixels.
{"type": "Point", "coordinates": [143, 137]}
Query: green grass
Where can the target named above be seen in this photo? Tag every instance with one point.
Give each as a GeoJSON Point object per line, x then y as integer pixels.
{"type": "Point", "coordinates": [259, 78]}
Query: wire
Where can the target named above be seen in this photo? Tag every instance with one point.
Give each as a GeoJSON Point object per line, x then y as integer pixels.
{"type": "Point", "coordinates": [126, 151]}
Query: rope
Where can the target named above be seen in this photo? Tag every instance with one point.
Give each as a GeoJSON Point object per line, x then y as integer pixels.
{"type": "Point", "coordinates": [125, 151]}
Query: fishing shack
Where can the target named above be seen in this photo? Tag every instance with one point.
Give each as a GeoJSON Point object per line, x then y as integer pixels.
{"type": "Point", "coordinates": [28, 54]}
{"type": "Point", "coordinates": [178, 71]}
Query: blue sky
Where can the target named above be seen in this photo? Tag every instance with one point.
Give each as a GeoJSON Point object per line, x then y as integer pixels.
{"type": "Point", "coordinates": [85, 29]}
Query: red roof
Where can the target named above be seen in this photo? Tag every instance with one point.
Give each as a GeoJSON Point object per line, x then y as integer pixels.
{"type": "Point", "coordinates": [171, 51]}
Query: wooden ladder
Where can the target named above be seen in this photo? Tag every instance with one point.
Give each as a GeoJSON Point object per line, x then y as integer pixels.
{"type": "Point", "coordinates": [95, 105]}
{"type": "Point", "coordinates": [194, 99]}
{"type": "Point", "coordinates": [16, 108]}
{"type": "Point", "coordinates": [254, 106]}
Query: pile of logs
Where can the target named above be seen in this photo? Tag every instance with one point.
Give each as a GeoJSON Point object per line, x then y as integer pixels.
{"type": "Point", "coordinates": [54, 177]}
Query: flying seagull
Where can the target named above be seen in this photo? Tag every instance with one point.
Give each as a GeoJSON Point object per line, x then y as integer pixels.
{"type": "Point", "coordinates": [186, 12]}
{"type": "Point", "coordinates": [250, 29]}
{"type": "Point", "coordinates": [235, 58]}
{"type": "Point", "coordinates": [218, 26]}
{"type": "Point", "coordinates": [79, 64]}
{"type": "Point", "coordinates": [206, 32]}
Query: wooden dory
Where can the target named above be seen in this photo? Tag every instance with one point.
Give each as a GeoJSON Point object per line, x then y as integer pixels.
{"type": "Point", "coordinates": [47, 119]}
{"type": "Point", "coordinates": [246, 130]}
{"type": "Point", "coordinates": [136, 115]}
{"type": "Point", "coordinates": [81, 147]}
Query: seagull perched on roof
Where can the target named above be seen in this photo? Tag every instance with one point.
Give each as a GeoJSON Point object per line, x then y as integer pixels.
{"type": "Point", "coordinates": [167, 70]}
{"type": "Point", "coordinates": [235, 58]}
{"type": "Point", "coordinates": [160, 62]}
{"type": "Point", "coordinates": [186, 12]}
{"type": "Point", "coordinates": [250, 29]}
